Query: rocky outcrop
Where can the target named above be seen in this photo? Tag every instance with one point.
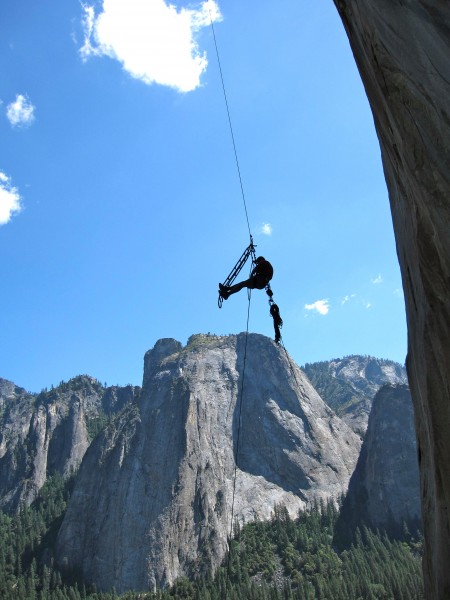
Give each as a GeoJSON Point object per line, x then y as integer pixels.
{"type": "Point", "coordinates": [402, 52]}
{"type": "Point", "coordinates": [348, 385]}
{"type": "Point", "coordinates": [384, 489]}
{"type": "Point", "coordinates": [226, 428]}
{"type": "Point", "coordinates": [16, 410]}
{"type": "Point", "coordinates": [49, 433]}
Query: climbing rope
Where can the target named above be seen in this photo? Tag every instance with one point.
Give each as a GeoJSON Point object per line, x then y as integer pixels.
{"type": "Point", "coordinates": [238, 439]}
{"type": "Point", "coordinates": [277, 324]}
{"type": "Point", "coordinates": [230, 125]}
{"type": "Point", "coordinates": [249, 251]}
{"type": "Point", "coordinates": [274, 310]}
{"type": "Point", "coordinates": [290, 363]}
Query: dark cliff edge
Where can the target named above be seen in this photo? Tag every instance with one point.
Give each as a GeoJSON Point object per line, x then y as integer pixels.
{"type": "Point", "coordinates": [401, 50]}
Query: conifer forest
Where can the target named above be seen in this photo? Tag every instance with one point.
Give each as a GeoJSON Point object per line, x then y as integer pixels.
{"type": "Point", "coordinates": [283, 559]}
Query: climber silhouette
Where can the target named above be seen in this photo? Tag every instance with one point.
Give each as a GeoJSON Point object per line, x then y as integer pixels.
{"type": "Point", "coordinates": [259, 278]}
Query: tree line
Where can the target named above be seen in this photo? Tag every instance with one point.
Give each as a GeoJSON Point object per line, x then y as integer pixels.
{"type": "Point", "coordinates": [281, 559]}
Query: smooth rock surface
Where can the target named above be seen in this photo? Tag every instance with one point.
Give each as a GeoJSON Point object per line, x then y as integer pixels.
{"type": "Point", "coordinates": [402, 51]}
{"type": "Point", "coordinates": [384, 490]}
{"type": "Point", "coordinates": [159, 505]}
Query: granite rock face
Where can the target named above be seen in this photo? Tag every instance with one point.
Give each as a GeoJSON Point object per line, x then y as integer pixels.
{"type": "Point", "coordinates": [384, 490]}
{"type": "Point", "coordinates": [48, 433]}
{"type": "Point", "coordinates": [402, 52]}
{"type": "Point", "coordinates": [160, 503]}
{"type": "Point", "coordinates": [348, 385]}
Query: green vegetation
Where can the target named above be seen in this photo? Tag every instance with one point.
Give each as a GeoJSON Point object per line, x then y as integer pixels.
{"type": "Point", "coordinates": [204, 340]}
{"type": "Point", "coordinates": [338, 392]}
{"type": "Point", "coordinates": [96, 424]}
{"type": "Point", "coordinates": [23, 542]}
{"type": "Point", "coordinates": [81, 383]}
{"type": "Point", "coordinates": [295, 559]}
{"type": "Point", "coordinates": [284, 559]}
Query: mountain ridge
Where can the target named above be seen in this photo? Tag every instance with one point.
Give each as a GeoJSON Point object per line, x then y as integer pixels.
{"type": "Point", "coordinates": [348, 385]}
{"type": "Point", "coordinates": [153, 491]}
{"type": "Point", "coordinates": [49, 432]}
{"type": "Point", "coordinates": [27, 418]}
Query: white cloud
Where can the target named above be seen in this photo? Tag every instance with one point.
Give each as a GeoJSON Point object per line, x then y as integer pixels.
{"type": "Point", "coordinates": [154, 41]}
{"type": "Point", "coordinates": [321, 306]}
{"type": "Point", "coordinates": [21, 111]}
{"type": "Point", "coordinates": [377, 279]}
{"type": "Point", "coordinates": [266, 229]}
{"type": "Point", "coordinates": [9, 199]}
{"type": "Point", "coordinates": [367, 304]}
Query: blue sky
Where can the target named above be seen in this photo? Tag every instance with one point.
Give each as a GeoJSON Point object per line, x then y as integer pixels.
{"type": "Point", "coordinates": [120, 202]}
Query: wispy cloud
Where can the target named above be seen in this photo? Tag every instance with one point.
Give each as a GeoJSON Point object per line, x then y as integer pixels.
{"type": "Point", "coordinates": [377, 279]}
{"type": "Point", "coordinates": [321, 306]}
{"type": "Point", "coordinates": [266, 229]}
{"type": "Point", "coordinates": [347, 298]}
{"type": "Point", "coordinates": [154, 41]}
{"type": "Point", "coordinates": [9, 199]}
{"type": "Point", "coordinates": [20, 112]}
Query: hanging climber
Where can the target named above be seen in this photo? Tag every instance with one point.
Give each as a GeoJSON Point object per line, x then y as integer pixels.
{"type": "Point", "coordinates": [259, 278]}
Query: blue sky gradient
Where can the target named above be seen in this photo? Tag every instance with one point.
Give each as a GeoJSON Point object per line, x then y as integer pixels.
{"type": "Point", "coordinates": [120, 203]}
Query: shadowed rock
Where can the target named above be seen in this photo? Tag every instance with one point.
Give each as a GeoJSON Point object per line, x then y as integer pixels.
{"type": "Point", "coordinates": [402, 52]}
{"type": "Point", "coordinates": [383, 492]}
